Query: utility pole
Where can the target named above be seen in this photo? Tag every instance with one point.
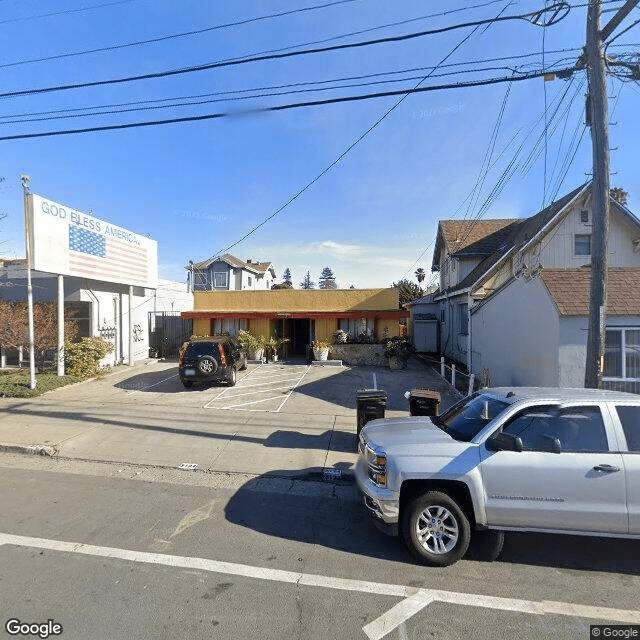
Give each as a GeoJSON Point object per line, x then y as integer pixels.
{"type": "Point", "coordinates": [595, 61]}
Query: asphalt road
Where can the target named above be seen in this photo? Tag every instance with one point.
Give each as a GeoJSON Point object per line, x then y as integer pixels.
{"type": "Point", "coordinates": [115, 551]}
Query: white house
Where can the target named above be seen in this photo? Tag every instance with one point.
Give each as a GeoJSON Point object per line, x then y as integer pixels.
{"type": "Point", "coordinates": [513, 297]}
{"type": "Point", "coordinates": [228, 273]}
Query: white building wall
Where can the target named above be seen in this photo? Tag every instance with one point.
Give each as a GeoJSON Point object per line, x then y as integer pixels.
{"type": "Point", "coordinates": [557, 249]}
{"type": "Point", "coordinates": [515, 336]}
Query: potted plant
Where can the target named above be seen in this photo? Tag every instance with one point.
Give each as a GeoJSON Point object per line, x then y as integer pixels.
{"type": "Point", "coordinates": [254, 344]}
{"type": "Point", "coordinates": [398, 350]}
{"type": "Point", "coordinates": [272, 346]}
{"type": "Point", "coordinates": [321, 349]}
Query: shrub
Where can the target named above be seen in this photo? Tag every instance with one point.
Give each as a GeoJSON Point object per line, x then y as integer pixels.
{"type": "Point", "coordinates": [83, 358]}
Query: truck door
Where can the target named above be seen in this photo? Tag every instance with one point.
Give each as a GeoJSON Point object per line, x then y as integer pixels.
{"type": "Point", "coordinates": [565, 478]}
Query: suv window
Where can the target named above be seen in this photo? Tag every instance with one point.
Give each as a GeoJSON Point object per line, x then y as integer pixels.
{"type": "Point", "coordinates": [630, 419]}
{"type": "Point", "coordinates": [579, 429]}
{"type": "Point", "coordinates": [197, 349]}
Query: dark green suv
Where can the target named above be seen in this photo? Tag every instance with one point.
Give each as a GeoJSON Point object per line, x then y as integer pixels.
{"type": "Point", "coordinates": [211, 360]}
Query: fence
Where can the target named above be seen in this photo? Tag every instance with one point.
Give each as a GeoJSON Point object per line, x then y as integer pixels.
{"type": "Point", "coordinates": [167, 331]}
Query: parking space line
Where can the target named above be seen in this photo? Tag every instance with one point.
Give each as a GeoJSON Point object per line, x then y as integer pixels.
{"type": "Point", "coordinates": [251, 393]}
{"type": "Point", "coordinates": [245, 404]}
{"type": "Point", "coordinates": [265, 384]}
{"type": "Point", "coordinates": [206, 406]}
{"type": "Point", "coordinates": [155, 384]}
{"type": "Point", "coordinates": [294, 388]}
{"type": "Point", "coordinates": [413, 601]}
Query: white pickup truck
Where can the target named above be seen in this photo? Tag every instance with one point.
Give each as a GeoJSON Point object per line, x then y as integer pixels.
{"type": "Point", "coordinates": [505, 459]}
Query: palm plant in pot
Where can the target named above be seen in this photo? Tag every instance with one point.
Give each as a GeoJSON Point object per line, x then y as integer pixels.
{"type": "Point", "coordinates": [273, 345]}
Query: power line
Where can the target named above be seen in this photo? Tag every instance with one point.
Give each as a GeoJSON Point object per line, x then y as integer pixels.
{"type": "Point", "coordinates": [276, 56]}
{"type": "Point", "coordinates": [243, 22]}
{"type": "Point", "coordinates": [283, 107]}
{"type": "Point", "coordinates": [88, 113]}
{"type": "Point", "coordinates": [349, 148]}
{"type": "Point", "coordinates": [315, 82]}
{"type": "Point", "coordinates": [66, 11]}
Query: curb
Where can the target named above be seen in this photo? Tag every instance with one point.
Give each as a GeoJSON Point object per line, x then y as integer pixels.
{"type": "Point", "coordinates": [32, 449]}
{"type": "Point", "coordinates": [326, 475]}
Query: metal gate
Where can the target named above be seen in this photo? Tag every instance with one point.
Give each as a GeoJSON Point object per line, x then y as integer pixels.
{"type": "Point", "coordinates": [167, 331]}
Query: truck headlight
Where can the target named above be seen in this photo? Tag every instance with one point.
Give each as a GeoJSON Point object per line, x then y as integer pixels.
{"type": "Point", "coordinates": [377, 470]}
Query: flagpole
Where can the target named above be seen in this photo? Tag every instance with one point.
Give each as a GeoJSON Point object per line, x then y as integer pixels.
{"type": "Point", "coordinates": [27, 232]}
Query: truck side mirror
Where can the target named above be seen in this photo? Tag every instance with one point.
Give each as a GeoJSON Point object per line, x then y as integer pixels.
{"type": "Point", "coordinates": [504, 442]}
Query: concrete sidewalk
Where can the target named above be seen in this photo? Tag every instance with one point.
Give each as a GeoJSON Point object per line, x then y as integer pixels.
{"type": "Point", "coordinates": [141, 415]}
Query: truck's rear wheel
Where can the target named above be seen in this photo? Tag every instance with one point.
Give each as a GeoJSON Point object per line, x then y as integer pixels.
{"type": "Point", "coordinates": [435, 529]}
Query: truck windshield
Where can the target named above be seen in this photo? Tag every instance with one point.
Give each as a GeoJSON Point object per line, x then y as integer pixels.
{"type": "Point", "coordinates": [464, 420]}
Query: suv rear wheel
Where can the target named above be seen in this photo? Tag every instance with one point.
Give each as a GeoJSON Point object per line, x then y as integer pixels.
{"type": "Point", "coordinates": [435, 529]}
{"type": "Point", "coordinates": [231, 378]}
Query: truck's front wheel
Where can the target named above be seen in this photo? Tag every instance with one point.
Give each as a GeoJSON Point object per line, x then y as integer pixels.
{"type": "Point", "coordinates": [435, 529]}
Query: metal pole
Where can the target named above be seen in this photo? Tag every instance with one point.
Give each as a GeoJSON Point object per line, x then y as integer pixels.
{"type": "Point", "coordinates": [27, 232]}
{"type": "Point", "coordinates": [599, 197]}
{"type": "Point", "coordinates": [60, 325]}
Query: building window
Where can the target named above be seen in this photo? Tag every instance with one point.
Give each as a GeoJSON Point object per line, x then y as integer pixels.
{"type": "Point", "coordinates": [582, 244]}
{"type": "Point", "coordinates": [584, 216]}
{"type": "Point", "coordinates": [230, 326]}
{"type": "Point", "coordinates": [220, 279]}
{"type": "Point", "coordinates": [358, 327]}
{"type": "Point", "coordinates": [463, 319]}
{"type": "Point", "coordinates": [249, 281]}
{"type": "Point", "coordinates": [622, 354]}
{"type": "Point", "coordinates": [442, 316]}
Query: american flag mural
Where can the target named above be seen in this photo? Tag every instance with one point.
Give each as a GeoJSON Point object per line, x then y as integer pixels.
{"type": "Point", "coordinates": [94, 255]}
{"type": "Point", "coordinates": [68, 242]}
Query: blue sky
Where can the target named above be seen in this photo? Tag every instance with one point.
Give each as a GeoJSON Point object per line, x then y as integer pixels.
{"type": "Point", "coordinates": [199, 187]}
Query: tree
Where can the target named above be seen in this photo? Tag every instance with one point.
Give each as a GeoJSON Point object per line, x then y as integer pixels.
{"type": "Point", "coordinates": [420, 275]}
{"type": "Point", "coordinates": [307, 283]}
{"type": "Point", "coordinates": [45, 328]}
{"type": "Point", "coordinates": [282, 285]}
{"type": "Point", "coordinates": [407, 291]}
{"type": "Point", "coordinates": [619, 195]}
{"type": "Point", "coordinates": [14, 327]}
{"type": "Point", "coordinates": [327, 279]}
{"type": "Point", "coordinates": [286, 278]}
{"type": "Point", "coordinates": [13, 324]}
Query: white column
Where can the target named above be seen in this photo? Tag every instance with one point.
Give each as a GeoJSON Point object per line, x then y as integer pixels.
{"type": "Point", "coordinates": [60, 325]}
{"type": "Point", "coordinates": [131, 361]}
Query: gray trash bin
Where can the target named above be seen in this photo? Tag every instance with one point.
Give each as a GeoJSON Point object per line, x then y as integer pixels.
{"type": "Point", "coordinates": [424, 402]}
{"type": "Point", "coordinates": [371, 405]}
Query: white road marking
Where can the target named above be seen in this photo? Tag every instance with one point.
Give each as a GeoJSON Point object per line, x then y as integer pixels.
{"type": "Point", "coordinates": [393, 618]}
{"type": "Point", "coordinates": [155, 384]}
{"type": "Point", "coordinates": [249, 393]}
{"type": "Point", "coordinates": [413, 599]}
{"type": "Point", "coordinates": [206, 406]}
{"type": "Point", "coordinates": [214, 404]}
{"type": "Point", "coordinates": [294, 388]}
{"type": "Point", "coordinates": [244, 404]}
